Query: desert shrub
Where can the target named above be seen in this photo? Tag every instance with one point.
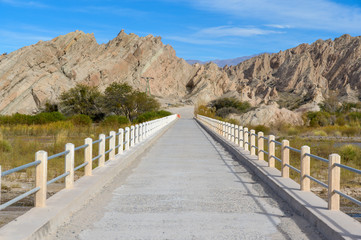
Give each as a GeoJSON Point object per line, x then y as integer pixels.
{"type": "Point", "coordinates": [261, 128]}
{"type": "Point", "coordinates": [292, 131]}
{"type": "Point", "coordinates": [204, 110]}
{"type": "Point", "coordinates": [81, 99]}
{"type": "Point", "coordinates": [40, 118]}
{"type": "Point", "coordinates": [225, 106]}
{"type": "Point", "coordinates": [350, 131]}
{"type": "Point", "coordinates": [115, 120]}
{"type": "Point", "coordinates": [48, 117]}
{"type": "Point", "coordinates": [317, 119]}
{"type": "Point", "coordinates": [5, 146]}
{"type": "Point", "coordinates": [224, 112]}
{"type": "Point", "coordinates": [320, 133]}
{"type": "Point", "coordinates": [151, 115]}
{"type": "Point", "coordinates": [349, 153]}
{"type": "Point", "coordinates": [340, 120]}
{"type": "Point", "coordinates": [81, 120]}
{"type": "Point", "coordinates": [354, 117]}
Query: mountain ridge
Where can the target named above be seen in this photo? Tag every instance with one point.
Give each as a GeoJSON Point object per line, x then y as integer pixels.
{"type": "Point", "coordinates": [223, 62]}
{"type": "Point", "coordinates": [298, 78]}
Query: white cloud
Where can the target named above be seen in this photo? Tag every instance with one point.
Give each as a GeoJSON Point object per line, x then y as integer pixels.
{"type": "Point", "coordinates": [18, 3]}
{"type": "Point", "coordinates": [20, 36]}
{"type": "Point", "coordinates": [306, 14]}
{"type": "Point", "coordinates": [279, 26]}
{"type": "Point", "coordinates": [194, 40]}
{"type": "Point", "coordinates": [229, 31]}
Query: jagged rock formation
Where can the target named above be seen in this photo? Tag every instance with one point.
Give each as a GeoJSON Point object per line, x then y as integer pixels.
{"type": "Point", "coordinates": [270, 115]}
{"type": "Point", "coordinates": [297, 78]}
{"type": "Point", "coordinates": [302, 75]}
{"type": "Point", "coordinates": [41, 72]}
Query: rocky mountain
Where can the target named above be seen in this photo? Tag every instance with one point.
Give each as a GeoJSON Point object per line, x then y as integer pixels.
{"type": "Point", "coordinates": [223, 62]}
{"type": "Point", "coordinates": [297, 79]}
{"type": "Point", "coordinates": [41, 72]}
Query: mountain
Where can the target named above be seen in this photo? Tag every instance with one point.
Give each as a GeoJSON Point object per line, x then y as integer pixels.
{"type": "Point", "coordinates": [296, 79]}
{"type": "Point", "coordinates": [38, 73]}
{"type": "Point", "coordinates": [223, 62]}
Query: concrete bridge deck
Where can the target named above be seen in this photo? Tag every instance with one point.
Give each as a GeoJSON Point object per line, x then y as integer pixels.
{"type": "Point", "coordinates": [186, 187]}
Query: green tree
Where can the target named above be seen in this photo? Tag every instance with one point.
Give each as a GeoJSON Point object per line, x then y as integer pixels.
{"type": "Point", "coordinates": [138, 103]}
{"type": "Point", "coordinates": [81, 99]}
{"type": "Point", "coordinates": [115, 96]}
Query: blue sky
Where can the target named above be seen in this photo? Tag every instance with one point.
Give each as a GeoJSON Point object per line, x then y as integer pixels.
{"type": "Point", "coordinates": [197, 29]}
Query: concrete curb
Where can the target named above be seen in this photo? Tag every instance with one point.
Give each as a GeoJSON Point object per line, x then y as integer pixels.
{"type": "Point", "coordinates": [331, 224]}
{"type": "Point", "coordinates": [38, 222]}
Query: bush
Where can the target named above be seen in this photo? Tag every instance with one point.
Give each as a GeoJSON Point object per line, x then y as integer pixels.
{"type": "Point", "coordinates": [81, 99]}
{"type": "Point", "coordinates": [349, 153]}
{"type": "Point", "coordinates": [262, 128]}
{"type": "Point", "coordinates": [205, 111]}
{"type": "Point", "coordinates": [151, 116]}
{"type": "Point", "coordinates": [317, 119]}
{"type": "Point", "coordinates": [230, 102]}
{"type": "Point", "coordinates": [5, 146]}
{"type": "Point", "coordinates": [224, 112]}
{"type": "Point", "coordinates": [81, 120]}
{"type": "Point", "coordinates": [115, 120]}
{"type": "Point", "coordinates": [293, 131]}
{"type": "Point", "coordinates": [48, 117]}
{"type": "Point", "coordinates": [40, 118]}
{"type": "Point", "coordinates": [320, 133]}
{"type": "Point", "coordinates": [354, 117]}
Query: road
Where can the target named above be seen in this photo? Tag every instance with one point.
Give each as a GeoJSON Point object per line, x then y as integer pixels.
{"type": "Point", "coordinates": [186, 187]}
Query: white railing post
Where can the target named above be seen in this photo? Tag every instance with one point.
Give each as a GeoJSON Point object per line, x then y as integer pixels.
{"type": "Point", "coordinates": [223, 129]}
{"type": "Point", "coordinates": [245, 139]}
{"type": "Point", "coordinates": [253, 142]}
{"type": "Point", "coordinates": [101, 150]}
{"type": "Point", "coordinates": [271, 151]}
{"type": "Point", "coordinates": [260, 146]}
{"type": "Point", "coordinates": [236, 133]}
{"type": "Point", "coordinates": [220, 127]}
{"type": "Point", "coordinates": [69, 165]}
{"type": "Point", "coordinates": [41, 177]}
{"type": "Point", "coordinates": [126, 139]}
{"type": "Point", "coordinates": [132, 136]}
{"type": "Point", "coordinates": [241, 137]}
{"type": "Point", "coordinates": [333, 182]}
{"type": "Point", "coordinates": [112, 145]}
{"type": "Point", "coordinates": [285, 157]}
{"type": "Point", "coordinates": [0, 183]}
{"type": "Point", "coordinates": [232, 132]}
{"type": "Point", "coordinates": [136, 134]}
{"type": "Point", "coordinates": [120, 140]}
{"type": "Point", "coordinates": [229, 131]}
{"type": "Point", "coordinates": [305, 168]}
{"type": "Point", "coordinates": [141, 128]}
{"type": "Point", "coordinates": [88, 153]}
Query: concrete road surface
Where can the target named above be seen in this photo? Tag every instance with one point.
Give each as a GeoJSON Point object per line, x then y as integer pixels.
{"type": "Point", "coordinates": [186, 187]}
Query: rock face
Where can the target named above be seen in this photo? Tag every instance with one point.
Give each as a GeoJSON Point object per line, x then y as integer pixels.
{"type": "Point", "coordinates": [297, 78]}
{"type": "Point", "coordinates": [270, 115]}
{"type": "Point", "coordinates": [41, 72]}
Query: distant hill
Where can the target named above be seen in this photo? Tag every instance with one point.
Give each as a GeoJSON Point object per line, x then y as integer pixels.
{"type": "Point", "coordinates": [224, 62]}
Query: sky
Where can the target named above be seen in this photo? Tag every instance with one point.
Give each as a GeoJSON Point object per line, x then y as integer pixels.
{"type": "Point", "coordinates": [196, 29]}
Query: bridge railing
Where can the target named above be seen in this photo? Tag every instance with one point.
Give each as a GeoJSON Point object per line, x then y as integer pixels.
{"type": "Point", "coordinates": [254, 142]}
{"type": "Point", "coordinates": [125, 139]}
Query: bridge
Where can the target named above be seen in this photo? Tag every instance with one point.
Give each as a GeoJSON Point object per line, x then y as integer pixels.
{"type": "Point", "coordinates": [184, 179]}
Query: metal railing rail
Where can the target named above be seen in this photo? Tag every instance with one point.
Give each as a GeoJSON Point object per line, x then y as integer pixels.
{"type": "Point", "coordinates": [242, 140]}
{"type": "Point", "coordinates": [127, 138]}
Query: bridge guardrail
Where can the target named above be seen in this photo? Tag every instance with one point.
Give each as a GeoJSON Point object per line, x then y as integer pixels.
{"type": "Point", "coordinates": [127, 138]}
{"type": "Point", "coordinates": [245, 138]}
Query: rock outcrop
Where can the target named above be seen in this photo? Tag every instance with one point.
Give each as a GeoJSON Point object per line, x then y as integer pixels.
{"type": "Point", "coordinates": [297, 79]}
{"type": "Point", "coordinates": [269, 115]}
{"type": "Point", "coordinates": [41, 72]}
